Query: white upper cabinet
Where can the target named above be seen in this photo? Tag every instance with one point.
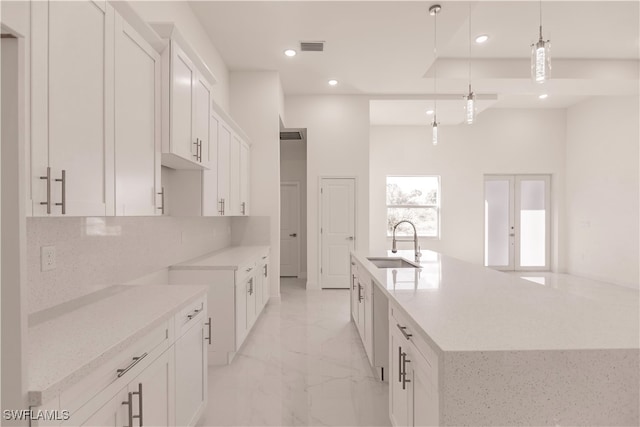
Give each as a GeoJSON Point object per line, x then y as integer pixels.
{"type": "Point", "coordinates": [72, 119]}
{"type": "Point", "coordinates": [137, 124]}
{"type": "Point", "coordinates": [244, 178]}
{"type": "Point", "coordinates": [186, 104]}
{"type": "Point", "coordinates": [234, 207]}
{"type": "Point", "coordinates": [224, 150]}
{"type": "Point", "coordinates": [210, 202]}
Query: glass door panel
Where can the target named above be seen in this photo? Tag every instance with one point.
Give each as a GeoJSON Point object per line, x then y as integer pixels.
{"type": "Point", "coordinates": [532, 222]}
{"type": "Point", "coordinates": [498, 215]}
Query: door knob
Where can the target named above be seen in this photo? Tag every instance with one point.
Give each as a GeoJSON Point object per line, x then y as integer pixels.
{"type": "Point", "coordinates": [293, 235]}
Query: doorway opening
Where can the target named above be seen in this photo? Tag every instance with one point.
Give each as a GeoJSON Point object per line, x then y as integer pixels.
{"type": "Point", "coordinates": [517, 222]}
{"type": "Point", "coordinates": [293, 203]}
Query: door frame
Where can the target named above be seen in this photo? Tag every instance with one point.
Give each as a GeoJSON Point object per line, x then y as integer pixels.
{"type": "Point", "coordinates": [321, 178]}
{"type": "Point", "coordinates": [295, 184]}
{"type": "Point", "coordinates": [514, 208]}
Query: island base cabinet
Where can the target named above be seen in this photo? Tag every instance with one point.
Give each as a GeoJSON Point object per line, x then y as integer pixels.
{"type": "Point", "coordinates": [113, 414]}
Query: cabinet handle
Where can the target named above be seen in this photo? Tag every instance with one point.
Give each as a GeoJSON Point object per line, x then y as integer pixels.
{"type": "Point", "coordinates": [209, 325]}
{"type": "Point", "coordinates": [360, 298]}
{"type": "Point", "coordinates": [197, 151]}
{"type": "Point", "coordinates": [249, 269]}
{"type": "Point", "coordinates": [251, 286]}
{"type": "Point", "coordinates": [242, 207]}
{"type": "Point", "coordinates": [129, 402]}
{"type": "Point", "coordinates": [48, 178]}
{"type": "Point", "coordinates": [404, 371]}
{"type": "Point", "coordinates": [63, 180]}
{"type": "Point", "coordinates": [139, 416]}
{"type": "Point", "coordinates": [266, 269]}
{"type": "Point", "coordinates": [403, 330]}
{"type": "Point", "coordinates": [200, 150]}
{"type": "Point", "coordinates": [353, 281]}
{"type": "Point", "coordinates": [161, 193]}
{"type": "Point", "coordinates": [399, 364]}
{"type": "Point", "coordinates": [135, 361]}
{"type": "Point", "coordinates": [194, 314]}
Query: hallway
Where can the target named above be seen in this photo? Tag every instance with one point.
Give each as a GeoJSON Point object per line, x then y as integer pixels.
{"type": "Point", "coordinates": [303, 364]}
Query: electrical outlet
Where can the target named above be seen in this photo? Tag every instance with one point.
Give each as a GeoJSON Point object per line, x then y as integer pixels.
{"type": "Point", "coordinates": [47, 258]}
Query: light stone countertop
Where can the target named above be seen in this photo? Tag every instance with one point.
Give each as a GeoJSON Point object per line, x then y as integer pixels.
{"type": "Point", "coordinates": [66, 348]}
{"type": "Point", "coordinates": [464, 307]}
{"type": "Point", "coordinates": [225, 259]}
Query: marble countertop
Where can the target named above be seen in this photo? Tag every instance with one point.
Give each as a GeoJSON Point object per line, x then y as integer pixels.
{"type": "Point", "coordinates": [464, 307]}
{"type": "Point", "coordinates": [225, 259]}
{"type": "Point", "coordinates": [67, 347]}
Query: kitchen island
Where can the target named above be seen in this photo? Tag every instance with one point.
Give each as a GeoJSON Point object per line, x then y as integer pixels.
{"type": "Point", "coordinates": [472, 346]}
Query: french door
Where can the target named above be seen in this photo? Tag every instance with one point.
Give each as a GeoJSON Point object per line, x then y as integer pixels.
{"type": "Point", "coordinates": [517, 222]}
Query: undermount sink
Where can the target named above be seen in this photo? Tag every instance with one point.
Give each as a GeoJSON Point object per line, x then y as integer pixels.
{"type": "Point", "coordinates": [389, 262]}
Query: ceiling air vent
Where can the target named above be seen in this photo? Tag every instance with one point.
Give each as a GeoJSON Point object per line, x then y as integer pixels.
{"type": "Point", "coordinates": [290, 136]}
{"type": "Point", "coordinates": [312, 46]}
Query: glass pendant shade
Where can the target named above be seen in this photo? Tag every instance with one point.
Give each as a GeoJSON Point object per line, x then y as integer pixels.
{"type": "Point", "coordinates": [434, 132]}
{"type": "Point", "coordinates": [470, 108]}
{"type": "Point", "coordinates": [540, 60]}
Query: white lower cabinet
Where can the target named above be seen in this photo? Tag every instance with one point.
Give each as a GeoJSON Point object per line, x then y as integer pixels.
{"type": "Point", "coordinates": [236, 300]}
{"type": "Point", "coordinates": [191, 371]}
{"type": "Point", "coordinates": [413, 380]}
{"type": "Point", "coordinates": [159, 380]}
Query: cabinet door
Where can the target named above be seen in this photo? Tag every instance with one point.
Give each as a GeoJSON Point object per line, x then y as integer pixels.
{"type": "Point", "coordinates": [398, 394]}
{"type": "Point", "coordinates": [191, 374]}
{"type": "Point", "coordinates": [114, 413]}
{"type": "Point", "coordinates": [251, 301]}
{"type": "Point", "coordinates": [183, 80]}
{"type": "Point", "coordinates": [423, 407]}
{"type": "Point", "coordinates": [241, 313]}
{"type": "Point", "coordinates": [244, 178]}
{"type": "Point", "coordinates": [234, 207]}
{"type": "Point", "coordinates": [210, 203]}
{"type": "Point", "coordinates": [224, 147]}
{"type": "Point", "coordinates": [72, 90]}
{"type": "Point", "coordinates": [154, 388]}
{"type": "Point", "coordinates": [202, 115]}
{"type": "Point", "coordinates": [137, 124]}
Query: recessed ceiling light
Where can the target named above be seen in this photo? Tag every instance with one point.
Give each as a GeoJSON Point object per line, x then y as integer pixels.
{"type": "Point", "coordinates": [333, 82]}
{"type": "Point", "coordinates": [482, 38]}
{"type": "Point", "coordinates": [429, 112]}
{"type": "Point", "coordinates": [543, 96]}
{"type": "Point", "coordinates": [290, 52]}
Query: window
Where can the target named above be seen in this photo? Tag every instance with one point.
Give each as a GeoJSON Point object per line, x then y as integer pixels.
{"type": "Point", "coordinates": [416, 199]}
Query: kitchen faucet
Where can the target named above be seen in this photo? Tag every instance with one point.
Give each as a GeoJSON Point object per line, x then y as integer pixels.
{"type": "Point", "coordinates": [416, 248]}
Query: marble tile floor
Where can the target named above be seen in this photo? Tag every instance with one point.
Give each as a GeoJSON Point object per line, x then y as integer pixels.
{"type": "Point", "coordinates": [302, 365]}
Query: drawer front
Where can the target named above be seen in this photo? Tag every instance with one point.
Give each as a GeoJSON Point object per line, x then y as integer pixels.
{"type": "Point", "coordinates": [245, 271]}
{"type": "Point", "coordinates": [191, 314]}
{"type": "Point", "coordinates": [398, 320]}
{"type": "Point", "coordinates": [117, 372]}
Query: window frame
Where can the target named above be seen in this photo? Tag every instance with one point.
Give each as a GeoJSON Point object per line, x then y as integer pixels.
{"type": "Point", "coordinates": [437, 206]}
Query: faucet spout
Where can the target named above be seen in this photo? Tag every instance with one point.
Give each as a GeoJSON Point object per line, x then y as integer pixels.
{"type": "Point", "coordinates": [394, 247]}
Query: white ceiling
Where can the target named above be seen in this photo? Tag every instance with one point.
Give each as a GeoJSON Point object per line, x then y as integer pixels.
{"type": "Point", "coordinates": [386, 47]}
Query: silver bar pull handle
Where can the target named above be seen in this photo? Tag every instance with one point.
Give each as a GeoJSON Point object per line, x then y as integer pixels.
{"type": "Point", "coordinates": [353, 281]}
{"type": "Point", "coordinates": [209, 325]}
{"type": "Point", "coordinates": [129, 402]}
{"type": "Point", "coordinates": [197, 150]}
{"type": "Point", "coordinates": [404, 332]}
{"type": "Point", "coordinates": [251, 286]}
{"type": "Point", "coordinates": [404, 371]}
{"type": "Point", "coordinates": [223, 206]}
{"type": "Point", "coordinates": [48, 178]}
{"type": "Point", "coordinates": [360, 298]}
{"type": "Point", "coordinates": [399, 364]}
{"type": "Point", "coordinates": [194, 314]}
{"type": "Point", "coordinates": [161, 194]}
{"type": "Point", "coordinates": [135, 361]}
{"type": "Point", "coordinates": [139, 416]}
{"type": "Point", "coordinates": [266, 270]}
{"type": "Point", "coordinates": [200, 150]}
{"type": "Point", "coordinates": [63, 180]}
{"type": "Point", "coordinates": [242, 205]}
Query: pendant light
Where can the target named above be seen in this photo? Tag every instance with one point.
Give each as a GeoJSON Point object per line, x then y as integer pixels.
{"type": "Point", "coordinates": [433, 11]}
{"type": "Point", "coordinates": [470, 98]}
{"type": "Point", "coordinates": [540, 57]}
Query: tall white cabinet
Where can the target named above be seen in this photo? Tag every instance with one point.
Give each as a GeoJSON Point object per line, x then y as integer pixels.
{"type": "Point", "coordinates": [72, 92]}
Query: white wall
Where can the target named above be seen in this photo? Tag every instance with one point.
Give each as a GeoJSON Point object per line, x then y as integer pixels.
{"type": "Point", "coordinates": [517, 141]}
{"type": "Point", "coordinates": [602, 190]}
{"type": "Point", "coordinates": [255, 99]}
{"type": "Point", "coordinates": [293, 168]}
{"type": "Point", "coordinates": [337, 145]}
{"type": "Point", "coordinates": [189, 26]}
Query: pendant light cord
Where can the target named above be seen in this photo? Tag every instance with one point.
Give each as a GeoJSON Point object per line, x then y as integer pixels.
{"type": "Point", "coordinates": [469, 61]}
{"type": "Point", "coordinates": [435, 65]}
{"type": "Point", "coordinates": [540, 19]}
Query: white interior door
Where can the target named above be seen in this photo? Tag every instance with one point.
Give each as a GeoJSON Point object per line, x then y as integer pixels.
{"type": "Point", "coordinates": [337, 232]}
{"type": "Point", "coordinates": [289, 229]}
{"type": "Point", "coordinates": [517, 222]}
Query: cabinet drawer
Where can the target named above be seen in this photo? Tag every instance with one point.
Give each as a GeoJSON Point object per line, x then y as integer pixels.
{"type": "Point", "coordinates": [108, 375]}
{"type": "Point", "coordinates": [190, 315]}
{"type": "Point", "coordinates": [398, 320]}
{"type": "Point", "coordinates": [245, 270]}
